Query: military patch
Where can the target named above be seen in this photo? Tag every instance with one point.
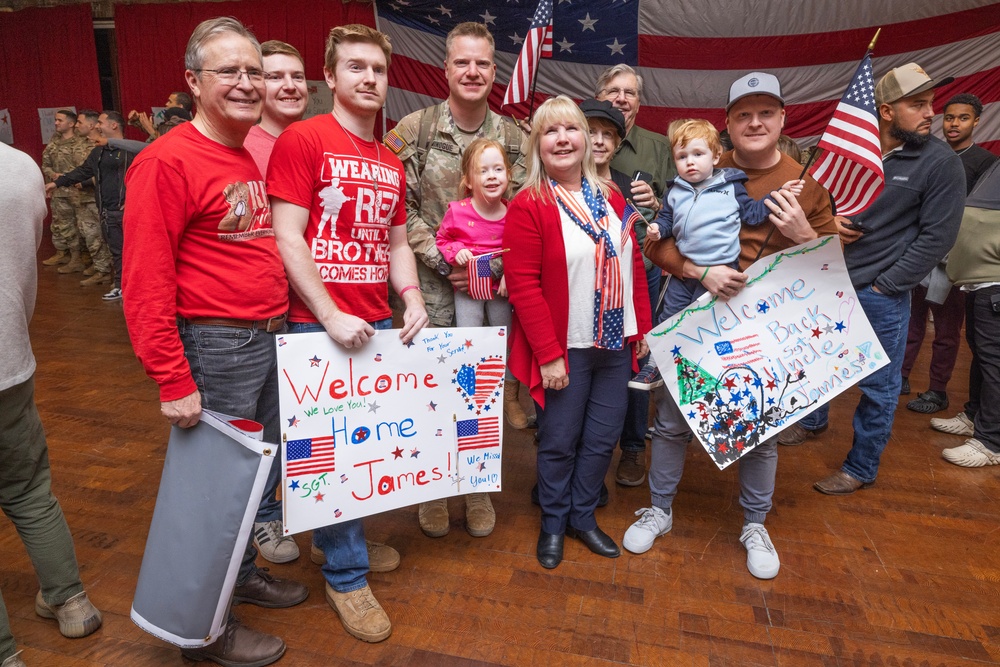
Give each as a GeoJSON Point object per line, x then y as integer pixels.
{"type": "Point", "coordinates": [445, 147]}
{"type": "Point", "coordinates": [394, 142]}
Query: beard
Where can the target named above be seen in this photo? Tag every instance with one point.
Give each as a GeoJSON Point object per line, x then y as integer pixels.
{"type": "Point", "coordinates": [911, 139]}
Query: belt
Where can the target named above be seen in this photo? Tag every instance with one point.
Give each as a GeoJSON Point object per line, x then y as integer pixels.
{"type": "Point", "coordinates": [270, 325]}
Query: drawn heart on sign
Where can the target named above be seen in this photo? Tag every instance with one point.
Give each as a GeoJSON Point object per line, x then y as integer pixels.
{"type": "Point", "coordinates": [480, 383]}
{"type": "Point", "coordinates": [850, 309]}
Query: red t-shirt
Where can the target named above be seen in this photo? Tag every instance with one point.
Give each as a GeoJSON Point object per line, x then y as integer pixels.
{"type": "Point", "coordinates": [198, 243]}
{"type": "Point", "coordinates": [354, 192]}
{"type": "Point", "coordinates": [260, 143]}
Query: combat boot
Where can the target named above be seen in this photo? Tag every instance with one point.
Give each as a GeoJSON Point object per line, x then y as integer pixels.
{"type": "Point", "coordinates": [61, 257]}
{"type": "Point", "coordinates": [97, 278]}
{"type": "Point", "coordinates": [512, 409]}
{"type": "Point", "coordinates": [75, 264]}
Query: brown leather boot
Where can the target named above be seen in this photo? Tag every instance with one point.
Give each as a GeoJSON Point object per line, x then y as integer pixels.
{"type": "Point", "coordinates": [75, 264]}
{"type": "Point", "coordinates": [58, 259]}
{"type": "Point", "coordinates": [264, 590]}
{"type": "Point", "coordinates": [239, 646]}
{"type": "Point", "coordinates": [512, 409]}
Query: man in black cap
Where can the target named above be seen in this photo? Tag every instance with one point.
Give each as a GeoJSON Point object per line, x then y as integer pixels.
{"type": "Point", "coordinates": [891, 245]}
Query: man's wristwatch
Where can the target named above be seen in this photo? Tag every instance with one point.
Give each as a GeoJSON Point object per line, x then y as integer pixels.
{"type": "Point", "coordinates": [443, 268]}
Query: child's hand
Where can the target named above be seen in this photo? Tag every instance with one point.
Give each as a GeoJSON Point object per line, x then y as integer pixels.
{"type": "Point", "coordinates": [463, 257]}
{"type": "Point", "coordinates": [795, 187]}
{"type": "Point", "coordinates": [653, 232]}
{"type": "Point", "coordinates": [502, 289]}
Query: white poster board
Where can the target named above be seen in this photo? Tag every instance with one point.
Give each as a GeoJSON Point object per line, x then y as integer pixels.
{"type": "Point", "coordinates": [744, 369]}
{"type": "Point", "coordinates": [320, 99]}
{"type": "Point", "coordinates": [6, 130]}
{"type": "Point", "coordinates": [389, 425]}
{"type": "Point", "coordinates": [47, 120]}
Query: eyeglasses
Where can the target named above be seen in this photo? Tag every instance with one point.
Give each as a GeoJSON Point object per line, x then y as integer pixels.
{"type": "Point", "coordinates": [277, 76]}
{"type": "Point", "coordinates": [233, 75]}
{"type": "Point", "coordinates": [630, 93]}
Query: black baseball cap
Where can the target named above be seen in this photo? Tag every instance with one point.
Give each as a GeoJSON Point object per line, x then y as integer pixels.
{"type": "Point", "coordinates": [605, 110]}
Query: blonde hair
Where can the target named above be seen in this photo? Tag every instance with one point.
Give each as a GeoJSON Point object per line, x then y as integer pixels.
{"type": "Point", "coordinates": [470, 160]}
{"type": "Point", "coordinates": [469, 29]}
{"type": "Point", "coordinates": [688, 130]}
{"type": "Point", "coordinates": [354, 33]}
{"type": "Point", "coordinates": [559, 109]}
{"type": "Point", "coordinates": [274, 47]}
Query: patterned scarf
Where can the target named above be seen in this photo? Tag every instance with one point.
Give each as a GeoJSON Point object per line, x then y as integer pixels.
{"type": "Point", "coordinates": [609, 311]}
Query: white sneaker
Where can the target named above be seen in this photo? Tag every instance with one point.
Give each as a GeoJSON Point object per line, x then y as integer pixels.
{"type": "Point", "coordinates": [960, 424]}
{"type": "Point", "coordinates": [973, 454]}
{"type": "Point", "coordinates": [762, 559]}
{"type": "Point", "coordinates": [652, 523]}
{"type": "Point", "coordinates": [272, 543]}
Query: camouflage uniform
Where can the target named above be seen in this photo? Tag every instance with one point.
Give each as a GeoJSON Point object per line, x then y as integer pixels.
{"type": "Point", "coordinates": [88, 220]}
{"type": "Point", "coordinates": [431, 189]}
{"type": "Point", "coordinates": [59, 157]}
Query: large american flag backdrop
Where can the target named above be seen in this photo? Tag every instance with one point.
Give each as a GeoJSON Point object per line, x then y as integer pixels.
{"type": "Point", "coordinates": [689, 52]}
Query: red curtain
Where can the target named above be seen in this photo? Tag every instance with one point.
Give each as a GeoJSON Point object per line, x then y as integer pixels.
{"type": "Point", "coordinates": [152, 38]}
{"type": "Point", "coordinates": [47, 59]}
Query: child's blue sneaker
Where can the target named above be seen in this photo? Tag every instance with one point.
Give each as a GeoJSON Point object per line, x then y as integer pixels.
{"type": "Point", "coordinates": [646, 379]}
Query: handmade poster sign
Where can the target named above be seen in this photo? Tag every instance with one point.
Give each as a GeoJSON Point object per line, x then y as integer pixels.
{"type": "Point", "coordinates": [744, 369]}
{"type": "Point", "coordinates": [389, 425]}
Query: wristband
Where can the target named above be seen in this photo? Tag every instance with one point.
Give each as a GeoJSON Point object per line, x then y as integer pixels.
{"type": "Point", "coordinates": [704, 274]}
{"type": "Point", "coordinates": [408, 288]}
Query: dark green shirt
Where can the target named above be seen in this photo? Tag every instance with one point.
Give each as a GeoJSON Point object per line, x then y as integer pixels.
{"type": "Point", "coordinates": [647, 151]}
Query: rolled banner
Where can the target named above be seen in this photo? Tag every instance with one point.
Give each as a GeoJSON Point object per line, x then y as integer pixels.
{"type": "Point", "coordinates": [213, 479]}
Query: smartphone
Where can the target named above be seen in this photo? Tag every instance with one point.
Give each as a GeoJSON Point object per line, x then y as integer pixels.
{"type": "Point", "coordinates": [641, 175]}
{"type": "Point", "coordinates": [856, 227]}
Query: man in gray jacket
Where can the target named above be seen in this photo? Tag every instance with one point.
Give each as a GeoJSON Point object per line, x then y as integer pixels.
{"type": "Point", "coordinates": [892, 245]}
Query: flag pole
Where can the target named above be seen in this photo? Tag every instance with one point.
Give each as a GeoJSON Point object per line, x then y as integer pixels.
{"type": "Point", "coordinates": [813, 152]}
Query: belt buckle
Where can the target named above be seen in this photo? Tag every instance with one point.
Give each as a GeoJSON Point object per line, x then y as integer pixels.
{"type": "Point", "coordinates": [276, 320]}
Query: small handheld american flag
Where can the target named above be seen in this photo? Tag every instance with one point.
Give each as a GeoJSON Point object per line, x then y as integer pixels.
{"type": "Point", "coordinates": [481, 277]}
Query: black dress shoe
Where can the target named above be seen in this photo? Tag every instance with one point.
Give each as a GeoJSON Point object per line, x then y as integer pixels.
{"type": "Point", "coordinates": [602, 499]}
{"type": "Point", "coordinates": [264, 590]}
{"type": "Point", "coordinates": [597, 541]}
{"type": "Point", "coordinates": [550, 549]}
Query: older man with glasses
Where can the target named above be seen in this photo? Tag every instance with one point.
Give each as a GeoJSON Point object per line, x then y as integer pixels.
{"type": "Point", "coordinates": [205, 291]}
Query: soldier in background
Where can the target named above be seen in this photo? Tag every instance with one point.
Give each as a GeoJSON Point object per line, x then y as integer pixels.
{"type": "Point", "coordinates": [430, 143]}
{"type": "Point", "coordinates": [88, 220]}
{"type": "Point", "coordinates": [58, 158]}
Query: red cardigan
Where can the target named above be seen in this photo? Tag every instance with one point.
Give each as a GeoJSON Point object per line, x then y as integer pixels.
{"type": "Point", "coordinates": [538, 285]}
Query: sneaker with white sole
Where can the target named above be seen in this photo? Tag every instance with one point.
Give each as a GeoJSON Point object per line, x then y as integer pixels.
{"type": "Point", "coordinates": [77, 617]}
{"type": "Point", "coordinates": [272, 543]}
{"type": "Point", "coordinates": [973, 454]}
{"type": "Point", "coordinates": [647, 379]}
{"type": "Point", "coordinates": [960, 424]}
{"type": "Point", "coordinates": [653, 522]}
{"type": "Point", "coordinates": [762, 559]}
{"type": "Point", "coordinates": [114, 295]}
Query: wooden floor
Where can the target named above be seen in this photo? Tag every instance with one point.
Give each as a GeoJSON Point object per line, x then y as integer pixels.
{"type": "Point", "coordinates": [905, 573]}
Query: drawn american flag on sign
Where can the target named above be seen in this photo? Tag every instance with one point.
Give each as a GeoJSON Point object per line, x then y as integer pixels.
{"type": "Point", "coordinates": [478, 433]}
{"type": "Point", "coordinates": [309, 456]}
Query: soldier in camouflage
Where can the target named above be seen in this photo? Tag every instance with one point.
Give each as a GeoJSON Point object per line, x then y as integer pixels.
{"type": "Point", "coordinates": [430, 143]}
{"type": "Point", "coordinates": [58, 158]}
{"type": "Point", "coordinates": [88, 221]}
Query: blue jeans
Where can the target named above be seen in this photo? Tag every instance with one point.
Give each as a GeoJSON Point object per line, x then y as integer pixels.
{"type": "Point", "coordinates": [890, 318]}
{"type": "Point", "coordinates": [816, 419]}
{"type": "Point", "coordinates": [633, 436]}
{"type": "Point", "coordinates": [577, 437]}
{"type": "Point", "coordinates": [343, 544]}
{"type": "Point", "coordinates": [236, 371]}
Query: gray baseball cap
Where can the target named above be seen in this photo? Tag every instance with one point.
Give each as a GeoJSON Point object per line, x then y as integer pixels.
{"type": "Point", "coordinates": [754, 83]}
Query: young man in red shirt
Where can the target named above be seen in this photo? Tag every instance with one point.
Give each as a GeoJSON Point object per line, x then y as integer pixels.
{"type": "Point", "coordinates": [340, 219]}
